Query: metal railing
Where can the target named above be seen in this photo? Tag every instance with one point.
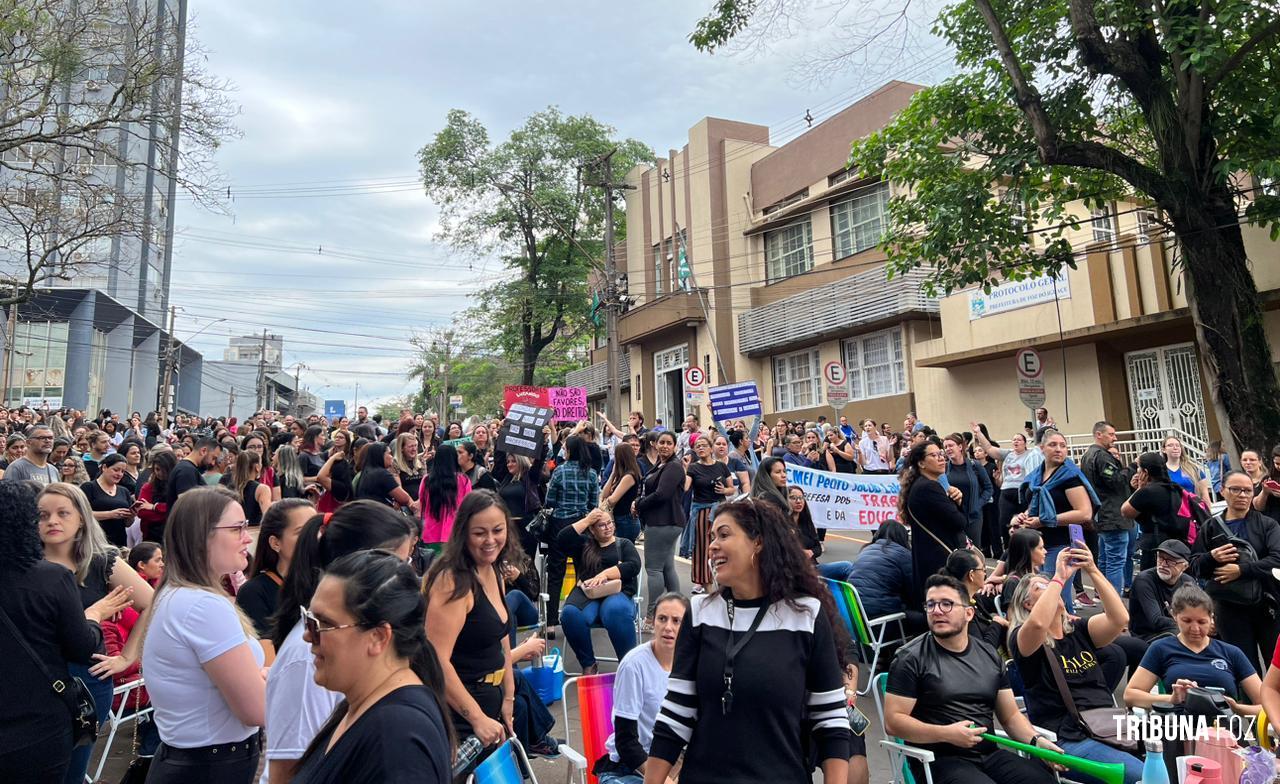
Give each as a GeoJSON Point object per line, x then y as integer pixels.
{"type": "Point", "coordinates": [1132, 443]}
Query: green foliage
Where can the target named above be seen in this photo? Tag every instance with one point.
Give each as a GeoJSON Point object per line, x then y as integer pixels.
{"type": "Point", "coordinates": [726, 20]}
{"type": "Point", "coordinates": [529, 199]}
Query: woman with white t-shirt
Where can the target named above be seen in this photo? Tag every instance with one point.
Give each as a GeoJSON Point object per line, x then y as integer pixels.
{"type": "Point", "coordinates": [1017, 465]}
{"type": "Point", "coordinates": [201, 656]}
{"type": "Point", "coordinates": [639, 688]}
{"type": "Point", "coordinates": [296, 707]}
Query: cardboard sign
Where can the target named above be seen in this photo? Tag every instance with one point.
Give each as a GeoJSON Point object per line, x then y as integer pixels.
{"type": "Point", "coordinates": [457, 442]}
{"type": "Point", "coordinates": [733, 401]}
{"type": "Point", "coordinates": [522, 430]}
{"type": "Point", "coordinates": [525, 395]}
{"type": "Point", "coordinates": [570, 403]}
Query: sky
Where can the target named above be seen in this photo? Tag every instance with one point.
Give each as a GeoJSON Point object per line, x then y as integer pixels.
{"type": "Point", "coordinates": [330, 240]}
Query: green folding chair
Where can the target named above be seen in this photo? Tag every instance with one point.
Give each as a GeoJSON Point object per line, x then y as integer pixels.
{"type": "Point", "coordinates": [869, 634]}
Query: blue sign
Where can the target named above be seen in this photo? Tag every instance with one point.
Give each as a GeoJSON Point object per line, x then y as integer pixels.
{"type": "Point", "coordinates": [335, 408]}
{"type": "Point", "coordinates": [732, 401]}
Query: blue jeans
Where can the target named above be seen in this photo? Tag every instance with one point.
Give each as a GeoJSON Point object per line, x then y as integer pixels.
{"type": "Point", "coordinates": [619, 778]}
{"type": "Point", "coordinates": [616, 613]}
{"type": "Point", "coordinates": [686, 540]}
{"type": "Point", "coordinates": [1129, 556]}
{"type": "Point", "coordinates": [1113, 557]}
{"type": "Point", "coordinates": [836, 570]}
{"type": "Point", "coordinates": [102, 694]}
{"type": "Point", "coordinates": [521, 611]}
{"type": "Point", "coordinates": [1101, 752]}
{"type": "Point", "coordinates": [627, 526]}
{"type": "Point", "coordinates": [1050, 566]}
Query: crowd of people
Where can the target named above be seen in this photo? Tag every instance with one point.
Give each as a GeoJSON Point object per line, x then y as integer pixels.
{"type": "Point", "coordinates": [345, 600]}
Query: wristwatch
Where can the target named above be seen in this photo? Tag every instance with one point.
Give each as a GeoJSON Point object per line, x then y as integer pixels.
{"type": "Point", "coordinates": [1035, 740]}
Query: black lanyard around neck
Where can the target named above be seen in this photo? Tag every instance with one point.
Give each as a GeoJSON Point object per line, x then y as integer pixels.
{"type": "Point", "coordinates": [731, 652]}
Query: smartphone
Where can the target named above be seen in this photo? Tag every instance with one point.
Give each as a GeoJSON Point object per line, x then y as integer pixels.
{"type": "Point", "coordinates": [1077, 539]}
{"type": "Point", "coordinates": [858, 721]}
{"type": "Point", "coordinates": [1271, 484]}
{"type": "Point", "coordinates": [1027, 424]}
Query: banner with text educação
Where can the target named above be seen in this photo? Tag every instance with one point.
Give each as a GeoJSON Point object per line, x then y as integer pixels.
{"type": "Point", "coordinates": [847, 501]}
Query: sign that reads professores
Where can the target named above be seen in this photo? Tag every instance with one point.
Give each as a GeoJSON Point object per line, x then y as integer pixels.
{"type": "Point", "coordinates": [522, 429]}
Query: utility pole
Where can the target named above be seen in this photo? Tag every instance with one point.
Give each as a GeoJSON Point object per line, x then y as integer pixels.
{"type": "Point", "coordinates": [356, 403]}
{"type": "Point", "coordinates": [447, 338]}
{"type": "Point", "coordinates": [170, 355]}
{"type": "Point", "coordinates": [262, 374]}
{"type": "Point", "coordinates": [10, 345]}
{"type": "Point", "coordinates": [231, 404]}
{"type": "Point", "coordinates": [611, 296]}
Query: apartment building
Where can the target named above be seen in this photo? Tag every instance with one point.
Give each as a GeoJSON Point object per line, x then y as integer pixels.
{"type": "Point", "coordinates": [758, 261]}
{"type": "Point", "coordinates": [95, 334]}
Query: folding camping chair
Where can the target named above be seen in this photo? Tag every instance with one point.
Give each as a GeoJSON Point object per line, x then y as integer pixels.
{"type": "Point", "coordinates": [867, 633]}
{"type": "Point", "coordinates": [506, 765]}
{"type": "Point", "coordinates": [119, 716]}
{"type": "Point", "coordinates": [595, 715]}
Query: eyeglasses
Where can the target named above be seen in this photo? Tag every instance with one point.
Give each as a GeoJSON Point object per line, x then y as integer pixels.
{"type": "Point", "coordinates": [1238, 490]}
{"type": "Point", "coordinates": [943, 606]}
{"type": "Point", "coordinates": [313, 627]}
{"type": "Point", "coordinates": [239, 527]}
{"type": "Point", "coordinates": [68, 465]}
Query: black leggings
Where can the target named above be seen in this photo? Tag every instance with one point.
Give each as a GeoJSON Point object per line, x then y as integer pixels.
{"type": "Point", "coordinates": [998, 767]}
{"type": "Point", "coordinates": [1250, 629]}
{"type": "Point", "coordinates": [1009, 506]}
{"type": "Point", "coordinates": [555, 564]}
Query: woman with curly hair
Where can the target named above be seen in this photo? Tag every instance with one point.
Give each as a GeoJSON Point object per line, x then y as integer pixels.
{"type": "Point", "coordinates": [42, 601]}
{"type": "Point", "coordinates": [757, 665]}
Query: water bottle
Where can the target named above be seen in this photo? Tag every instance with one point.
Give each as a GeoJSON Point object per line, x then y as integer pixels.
{"type": "Point", "coordinates": [470, 749]}
{"type": "Point", "coordinates": [1153, 769]}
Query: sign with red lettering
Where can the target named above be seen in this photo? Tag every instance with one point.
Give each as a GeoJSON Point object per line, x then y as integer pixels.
{"type": "Point", "coordinates": [525, 395]}
{"type": "Point", "coordinates": [858, 502]}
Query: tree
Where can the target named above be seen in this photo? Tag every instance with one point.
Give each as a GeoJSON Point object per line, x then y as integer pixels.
{"type": "Point", "coordinates": [83, 86]}
{"type": "Point", "coordinates": [529, 199]}
{"type": "Point", "coordinates": [1175, 104]}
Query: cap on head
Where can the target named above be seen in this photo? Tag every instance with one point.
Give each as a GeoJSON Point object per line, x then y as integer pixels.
{"type": "Point", "coordinates": [1175, 548]}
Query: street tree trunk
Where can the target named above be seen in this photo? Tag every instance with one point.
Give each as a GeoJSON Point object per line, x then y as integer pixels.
{"type": "Point", "coordinates": [1227, 314]}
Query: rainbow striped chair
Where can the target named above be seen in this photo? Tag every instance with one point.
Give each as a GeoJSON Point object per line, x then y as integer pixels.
{"type": "Point", "coordinates": [869, 634]}
{"type": "Point", "coordinates": [595, 714]}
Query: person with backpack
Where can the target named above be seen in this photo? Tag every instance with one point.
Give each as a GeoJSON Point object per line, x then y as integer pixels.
{"type": "Point", "coordinates": [1235, 553]}
{"type": "Point", "coordinates": [1163, 509]}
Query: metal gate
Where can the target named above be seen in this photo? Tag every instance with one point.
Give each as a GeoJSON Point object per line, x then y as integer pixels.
{"type": "Point", "coordinates": [1165, 391]}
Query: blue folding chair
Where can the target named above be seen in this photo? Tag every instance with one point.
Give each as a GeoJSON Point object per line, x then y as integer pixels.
{"type": "Point", "coordinates": [506, 765]}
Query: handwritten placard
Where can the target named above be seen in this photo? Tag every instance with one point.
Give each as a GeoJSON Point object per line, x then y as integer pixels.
{"type": "Point", "coordinates": [570, 403]}
{"type": "Point", "coordinates": [522, 429]}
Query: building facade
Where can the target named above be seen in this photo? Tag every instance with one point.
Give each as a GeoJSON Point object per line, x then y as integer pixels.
{"type": "Point", "coordinates": [100, 311]}
{"type": "Point", "coordinates": [759, 262]}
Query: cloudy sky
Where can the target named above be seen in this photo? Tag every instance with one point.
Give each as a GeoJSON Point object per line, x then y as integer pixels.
{"type": "Point", "coordinates": [331, 239]}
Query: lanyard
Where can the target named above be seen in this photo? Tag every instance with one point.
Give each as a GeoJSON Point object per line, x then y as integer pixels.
{"type": "Point", "coordinates": [726, 699]}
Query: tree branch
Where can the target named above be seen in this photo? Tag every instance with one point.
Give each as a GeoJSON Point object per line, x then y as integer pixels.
{"type": "Point", "coordinates": [1240, 54]}
{"type": "Point", "coordinates": [1027, 96]}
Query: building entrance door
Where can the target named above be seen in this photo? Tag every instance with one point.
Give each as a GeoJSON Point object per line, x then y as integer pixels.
{"type": "Point", "coordinates": [668, 385]}
{"type": "Point", "coordinates": [1165, 392]}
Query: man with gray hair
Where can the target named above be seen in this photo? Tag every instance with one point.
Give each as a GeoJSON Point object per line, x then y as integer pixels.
{"type": "Point", "coordinates": [35, 466]}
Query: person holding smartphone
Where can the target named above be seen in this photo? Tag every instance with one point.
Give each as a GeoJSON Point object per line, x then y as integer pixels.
{"type": "Point", "coordinates": [711, 482]}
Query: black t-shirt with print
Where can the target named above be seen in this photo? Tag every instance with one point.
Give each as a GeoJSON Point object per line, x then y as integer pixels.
{"type": "Point", "coordinates": [1083, 670]}
{"type": "Point", "coordinates": [949, 687]}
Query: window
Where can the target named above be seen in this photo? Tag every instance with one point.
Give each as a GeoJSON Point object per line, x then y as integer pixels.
{"type": "Point", "coordinates": [1103, 228]}
{"type": "Point", "coordinates": [841, 176]}
{"type": "Point", "coordinates": [876, 365]}
{"type": "Point", "coordinates": [787, 202]}
{"type": "Point", "coordinates": [858, 223]}
{"type": "Point", "coordinates": [796, 380]}
{"type": "Point", "coordinates": [1148, 226]}
{"type": "Point", "coordinates": [788, 251]}
{"type": "Point", "coordinates": [658, 261]}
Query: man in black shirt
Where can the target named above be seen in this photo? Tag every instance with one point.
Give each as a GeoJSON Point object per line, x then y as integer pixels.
{"type": "Point", "coordinates": [189, 472]}
{"type": "Point", "coordinates": [1153, 588]}
{"type": "Point", "coordinates": [944, 689]}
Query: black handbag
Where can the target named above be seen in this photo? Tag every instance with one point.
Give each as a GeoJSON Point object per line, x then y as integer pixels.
{"type": "Point", "coordinates": [1241, 591]}
{"type": "Point", "coordinates": [537, 527]}
{"type": "Point", "coordinates": [73, 693]}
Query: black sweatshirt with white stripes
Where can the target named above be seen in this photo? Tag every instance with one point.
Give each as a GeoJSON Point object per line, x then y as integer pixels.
{"type": "Point", "coordinates": [788, 694]}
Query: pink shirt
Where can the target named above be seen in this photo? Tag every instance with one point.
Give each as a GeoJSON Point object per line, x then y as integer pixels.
{"type": "Point", "coordinates": [437, 530]}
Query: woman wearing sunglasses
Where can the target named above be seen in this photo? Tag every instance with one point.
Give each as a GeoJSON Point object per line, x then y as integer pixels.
{"type": "Point", "coordinates": [201, 656]}
{"type": "Point", "coordinates": [366, 628]}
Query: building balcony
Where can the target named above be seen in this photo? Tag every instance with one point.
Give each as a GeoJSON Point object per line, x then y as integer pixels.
{"type": "Point", "coordinates": [596, 377]}
{"type": "Point", "coordinates": [848, 306]}
{"type": "Point", "coordinates": [677, 309]}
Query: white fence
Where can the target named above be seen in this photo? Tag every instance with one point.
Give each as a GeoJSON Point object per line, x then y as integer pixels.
{"type": "Point", "coordinates": [1132, 443]}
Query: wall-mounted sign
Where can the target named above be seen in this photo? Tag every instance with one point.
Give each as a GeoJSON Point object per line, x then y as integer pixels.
{"type": "Point", "coordinates": [1017, 294]}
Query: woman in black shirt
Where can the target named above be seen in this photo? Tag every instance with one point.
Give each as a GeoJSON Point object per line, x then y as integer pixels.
{"type": "Point", "coordinates": [404, 457]}
{"type": "Point", "coordinates": [937, 524]}
{"type": "Point", "coordinates": [711, 482]}
{"type": "Point", "coordinates": [111, 502]}
{"type": "Point", "coordinates": [519, 491]}
{"type": "Point", "coordinates": [467, 618]}
{"type": "Point", "coordinates": [277, 538]}
{"type": "Point", "coordinates": [608, 568]}
{"type": "Point", "coordinates": [622, 489]}
{"type": "Point", "coordinates": [1154, 504]}
{"type": "Point", "coordinates": [40, 599]}
{"type": "Point", "coordinates": [376, 482]}
{"type": "Point", "coordinates": [365, 622]}
{"type": "Point", "coordinates": [132, 451]}
{"type": "Point", "coordinates": [662, 515]}
{"type": "Point", "coordinates": [288, 473]}
{"type": "Point", "coordinates": [254, 496]}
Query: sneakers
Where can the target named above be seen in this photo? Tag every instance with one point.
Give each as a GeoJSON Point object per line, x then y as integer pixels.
{"type": "Point", "coordinates": [1085, 600]}
{"type": "Point", "coordinates": [548, 747]}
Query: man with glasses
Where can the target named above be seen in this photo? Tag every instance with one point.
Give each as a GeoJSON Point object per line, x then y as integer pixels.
{"type": "Point", "coordinates": [944, 690]}
{"type": "Point", "coordinates": [35, 466]}
{"type": "Point", "coordinates": [1149, 615]}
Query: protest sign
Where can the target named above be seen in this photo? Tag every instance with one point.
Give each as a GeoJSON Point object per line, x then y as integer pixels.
{"type": "Point", "coordinates": [522, 430]}
{"type": "Point", "coordinates": [846, 501]}
{"type": "Point", "coordinates": [732, 401]}
{"type": "Point", "coordinates": [570, 403]}
{"type": "Point", "coordinates": [529, 396]}
{"type": "Point", "coordinates": [457, 442]}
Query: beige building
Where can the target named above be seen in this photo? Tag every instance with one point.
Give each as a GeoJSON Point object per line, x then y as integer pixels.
{"type": "Point", "coordinates": [784, 277]}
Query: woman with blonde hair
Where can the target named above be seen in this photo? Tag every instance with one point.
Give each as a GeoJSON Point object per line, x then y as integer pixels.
{"type": "Point", "coordinates": [254, 496]}
{"type": "Point", "coordinates": [289, 477]}
{"type": "Point", "coordinates": [1184, 471]}
{"type": "Point", "coordinates": [407, 462]}
{"type": "Point", "coordinates": [201, 657]}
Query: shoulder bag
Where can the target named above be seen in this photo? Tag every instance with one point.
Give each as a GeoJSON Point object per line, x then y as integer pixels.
{"type": "Point", "coordinates": [1099, 723]}
{"type": "Point", "coordinates": [1243, 591]}
{"type": "Point", "coordinates": [74, 694]}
